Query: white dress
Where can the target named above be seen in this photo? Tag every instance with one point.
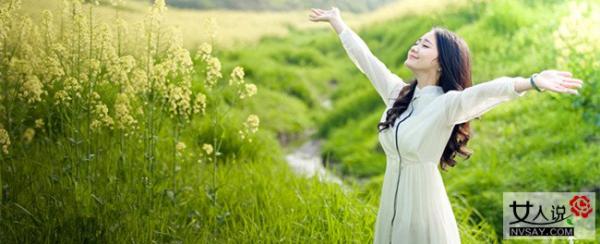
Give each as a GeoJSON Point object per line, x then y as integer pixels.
{"type": "Point", "coordinates": [414, 207]}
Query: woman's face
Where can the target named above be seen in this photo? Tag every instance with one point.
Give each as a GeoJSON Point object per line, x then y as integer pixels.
{"type": "Point", "coordinates": [423, 54]}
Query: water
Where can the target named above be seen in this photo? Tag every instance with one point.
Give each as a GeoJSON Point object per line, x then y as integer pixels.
{"type": "Point", "coordinates": [306, 161]}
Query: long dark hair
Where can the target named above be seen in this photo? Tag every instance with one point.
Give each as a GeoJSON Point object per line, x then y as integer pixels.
{"type": "Point", "coordinates": [454, 60]}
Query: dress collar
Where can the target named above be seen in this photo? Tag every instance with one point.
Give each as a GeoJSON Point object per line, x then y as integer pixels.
{"type": "Point", "coordinates": [430, 89]}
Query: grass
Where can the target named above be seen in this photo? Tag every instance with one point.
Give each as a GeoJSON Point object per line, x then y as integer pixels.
{"type": "Point", "coordinates": [232, 26]}
{"type": "Point", "coordinates": [250, 195]}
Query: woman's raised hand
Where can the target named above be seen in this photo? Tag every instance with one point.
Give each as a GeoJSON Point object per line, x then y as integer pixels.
{"type": "Point", "coordinates": [558, 81]}
{"type": "Point", "coordinates": [320, 15]}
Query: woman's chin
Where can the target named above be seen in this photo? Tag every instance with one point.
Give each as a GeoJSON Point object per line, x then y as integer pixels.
{"type": "Point", "coordinates": [408, 64]}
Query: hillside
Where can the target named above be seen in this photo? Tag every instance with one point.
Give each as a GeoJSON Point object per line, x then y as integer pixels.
{"type": "Point", "coordinates": [151, 136]}
{"type": "Point", "coordinates": [235, 28]}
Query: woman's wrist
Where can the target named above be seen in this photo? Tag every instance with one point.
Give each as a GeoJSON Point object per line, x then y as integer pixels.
{"type": "Point", "coordinates": [522, 84]}
{"type": "Point", "coordinates": [527, 83]}
{"type": "Point", "coordinates": [338, 25]}
{"type": "Point", "coordinates": [532, 82]}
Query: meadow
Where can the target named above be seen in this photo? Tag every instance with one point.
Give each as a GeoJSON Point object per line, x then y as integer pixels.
{"type": "Point", "coordinates": [114, 130]}
{"type": "Point", "coordinates": [230, 28]}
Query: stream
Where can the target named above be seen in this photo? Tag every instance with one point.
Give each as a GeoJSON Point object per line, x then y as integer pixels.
{"type": "Point", "coordinates": [306, 161]}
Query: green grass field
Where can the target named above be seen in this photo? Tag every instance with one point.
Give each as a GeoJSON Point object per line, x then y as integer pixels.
{"type": "Point", "coordinates": [178, 175]}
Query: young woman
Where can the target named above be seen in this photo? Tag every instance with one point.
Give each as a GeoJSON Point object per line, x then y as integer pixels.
{"type": "Point", "coordinates": [426, 123]}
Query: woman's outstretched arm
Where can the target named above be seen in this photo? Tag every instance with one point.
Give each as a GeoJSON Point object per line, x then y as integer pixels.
{"type": "Point", "coordinates": [472, 102]}
{"type": "Point", "coordinates": [384, 81]}
{"type": "Point", "coordinates": [551, 80]}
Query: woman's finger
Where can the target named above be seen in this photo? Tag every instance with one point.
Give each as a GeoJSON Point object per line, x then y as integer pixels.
{"type": "Point", "coordinates": [317, 18]}
{"type": "Point", "coordinates": [573, 80]}
{"type": "Point", "coordinates": [566, 90]}
{"type": "Point", "coordinates": [570, 85]}
{"type": "Point", "coordinates": [561, 89]}
{"type": "Point", "coordinates": [564, 73]}
{"type": "Point", "coordinates": [570, 91]}
{"type": "Point", "coordinates": [569, 82]}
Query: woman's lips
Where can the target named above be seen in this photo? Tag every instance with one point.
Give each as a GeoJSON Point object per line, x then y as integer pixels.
{"type": "Point", "coordinates": [412, 56]}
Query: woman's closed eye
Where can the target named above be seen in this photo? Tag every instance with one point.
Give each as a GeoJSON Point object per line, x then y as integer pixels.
{"type": "Point", "coordinates": [416, 43]}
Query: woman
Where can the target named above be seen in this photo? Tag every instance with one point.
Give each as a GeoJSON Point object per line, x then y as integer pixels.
{"type": "Point", "coordinates": [426, 123]}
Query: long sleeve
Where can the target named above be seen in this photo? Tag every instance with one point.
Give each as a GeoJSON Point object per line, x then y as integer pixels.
{"type": "Point", "coordinates": [380, 76]}
{"type": "Point", "coordinates": [472, 102]}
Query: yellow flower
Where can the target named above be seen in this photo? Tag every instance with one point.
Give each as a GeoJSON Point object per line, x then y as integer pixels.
{"type": "Point", "coordinates": [200, 103]}
{"type": "Point", "coordinates": [62, 97]}
{"type": "Point", "coordinates": [138, 82]}
{"type": "Point", "coordinates": [242, 134]}
{"type": "Point", "coordinates": [159, 73]}
{"type": "Point", "coordinates": [119, 71]}
{"type": "Point", "coordinates": [32, 89]}
{"type": "Point", "coordinates": [180, 146]}
{"type": "Point", "coordinates": [252, 123]}
{"type": "Point", "coordinates": [39, 123]}
{"type": "Point", "coordinates": [20, 66]}
{"type": "Point", "coordinates": [208, 148]}
{"type": "Point", "coordinates": [73, 86]}
{"type": "Point", "coordinates": [213, 71]}
{"type": "Point", "coordinates": [102, 118]}
{"type": "Point", "coordinates": [204, 51]}
{"type": "Point", "coordinates": [4, 140]}
{"type": "Point", "coordinates": [178, 98]}
{"type": "Point", "coordinates": [47, 23]}
{"type": "Point", "coordinates": [123, 117]}
{"type": "Point", "coordinates": [93, 66]}
{"type": "Point", "coordinates": [127, 63]}
{"type": "Point", "coordinates": [159, 6]}
{"type": "Point", "coordinates": [95, 96]}
{"type": "Point", "coordinates": [182, 59]}
{"type": "Point", "coordinates": [237, 76]}
{"type": "Point", "coordinates": [250, 126]}
{"type": "Point", "coordinates": [28, 135]}
{"type": "Point", "coordinates": [53, 68]}
{"type": "Point", "coordinates": [108, 55]}
{"type": "Point", "coordinates": [250, 90]}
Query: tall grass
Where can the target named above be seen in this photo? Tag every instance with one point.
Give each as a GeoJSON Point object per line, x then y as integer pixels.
{"type": "Point", "coordinates": [146, 142]}
{"type": "Point", "coordinates": [88, 112]}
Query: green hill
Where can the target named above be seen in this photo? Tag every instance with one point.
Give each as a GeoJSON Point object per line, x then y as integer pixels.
{"type": "Point", "coordinates": [68, 184]}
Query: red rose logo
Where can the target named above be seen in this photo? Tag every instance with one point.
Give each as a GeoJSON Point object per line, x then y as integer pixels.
{"type": "Point", "coordinates": [581, 206]}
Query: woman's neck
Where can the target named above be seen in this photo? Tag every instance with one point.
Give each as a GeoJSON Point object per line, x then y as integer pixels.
{"type": "Point", "coordinates": [426, 79]}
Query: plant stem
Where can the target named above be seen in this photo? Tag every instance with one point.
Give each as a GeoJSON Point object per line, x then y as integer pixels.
{"type": "Point", "coordinates": [175, 141]}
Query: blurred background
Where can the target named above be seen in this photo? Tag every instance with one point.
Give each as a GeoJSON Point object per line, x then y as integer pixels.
{"type": "Point", "coordinates": [198, 121]}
